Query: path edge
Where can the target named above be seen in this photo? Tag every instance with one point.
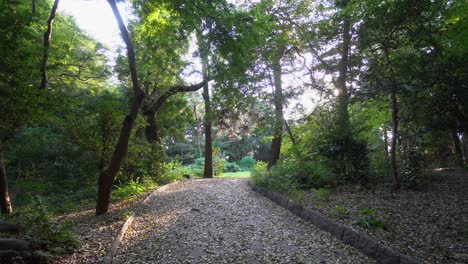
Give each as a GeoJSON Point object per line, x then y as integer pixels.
{"type": "Point", "coordinates": [109, 258]}
{"type": "Point", "coordinates": [366, 245]}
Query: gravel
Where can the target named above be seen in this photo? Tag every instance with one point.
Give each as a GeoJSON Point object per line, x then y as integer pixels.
{"type": "Point", "coordinates": [224, 221]}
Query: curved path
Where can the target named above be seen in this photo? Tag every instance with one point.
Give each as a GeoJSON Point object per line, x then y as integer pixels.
{"type": "Point", "coordinates": [224, 221]}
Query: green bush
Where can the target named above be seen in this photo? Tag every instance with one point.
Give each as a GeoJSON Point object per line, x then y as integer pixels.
{"type": "Point", "coordinates": [46, 232]}
{"type": "Point", "coordinates": [218, 164]}
{"type": "Point", "coordinates": [368, 219]}
{"type": "Point", "coordinates": [129, 189]}
{"type": "Point", "coordinates": [273, 181]}
{"type": "Point", "coordinates": [323, 194]}
{"type": "Point", "coordinates": [247, 163]}
{"type": "Point", "coordinates": [231, 167]}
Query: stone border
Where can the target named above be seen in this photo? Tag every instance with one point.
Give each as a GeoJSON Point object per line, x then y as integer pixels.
{"type": "Point", "coordinates": [371, 248]}
{"type": "Point", "coordinates": [115, 244]}
{"type": "Point", "coordinates": [109, 258]}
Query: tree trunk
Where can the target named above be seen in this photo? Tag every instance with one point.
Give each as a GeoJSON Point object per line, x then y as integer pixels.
{"type": "Point", "coordinates": [465, 147]}
{"type": "Point", "coordinates": [47, 37]}
{"type": "Point", "coordinates": [293, 140]}
{"type": "Point", "coordinates": [387, 162]}
{"type": "Point", "coordinates": [5, 203]}
{"type": "Point", "coordinates": [151, 129]}
{"type": "Point", "coordinates": [393, 163]}
{"type": "Point", "coordinates": [106, 178]}
{"type": "Point", "coordinates": [208, 170]}
{"type": "Point", "coordinates": [457, 146]}
{"type": "Point", "coordinates": [33, 7]}
{"type": "Point", "coordinates": [343, 95]}
{"type": "Point", "coordinates": [197, 120]}
{"type": "Point", "coordinates": [278, 100]}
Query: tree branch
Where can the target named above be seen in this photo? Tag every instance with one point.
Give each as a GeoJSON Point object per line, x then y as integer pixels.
{"type": "Point", "coordinates": [176, 89]}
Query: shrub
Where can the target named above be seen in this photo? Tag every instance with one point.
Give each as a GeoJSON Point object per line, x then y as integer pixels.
{"type": "Point", "coordinates": [231, 167]}
{"type": "Point", "coordinates": [129, 189]}
{"type": "Point", "coordinates": [368, 219]}
{"type": "Point", "coordinates": [247, 163]}
{"type": "Point", "coordinates": [323, 194]}
{"type": "Point", "coordinates": [340, 212]}
{"type": "Point", "coordinates": [172, 171]}
{"type": "Point", "coordinates": [274, 181]}
{"type": "Point", "coordinates": [46, 232]}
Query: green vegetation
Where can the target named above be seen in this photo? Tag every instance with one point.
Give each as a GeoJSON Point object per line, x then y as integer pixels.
{"type": "Point", "coordinates": [388, 78]}
{"type": "Point", "coordinates": [369, 219]}
{"type": "Point", "coordinates": [239, 174]}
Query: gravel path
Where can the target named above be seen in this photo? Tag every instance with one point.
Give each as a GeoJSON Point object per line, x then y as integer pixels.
{"type": "Point", "coordinates": [224, 221]}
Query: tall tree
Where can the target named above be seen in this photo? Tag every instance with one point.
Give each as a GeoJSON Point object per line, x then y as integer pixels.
{"type": "Point", "coordinates": [47, 39]}
{"type": "Point", "coordinates": [107, 176]}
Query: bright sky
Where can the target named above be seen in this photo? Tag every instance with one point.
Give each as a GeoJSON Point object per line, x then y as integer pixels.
{"type": "Point", "coordinates": [96, 18]}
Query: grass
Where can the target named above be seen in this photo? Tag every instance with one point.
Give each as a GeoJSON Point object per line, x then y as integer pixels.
{"type": "Point", "coordinates": [239, 174]}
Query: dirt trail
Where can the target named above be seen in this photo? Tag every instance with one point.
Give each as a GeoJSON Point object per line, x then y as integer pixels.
{"type": "Point", "coordinates": [224, 221]}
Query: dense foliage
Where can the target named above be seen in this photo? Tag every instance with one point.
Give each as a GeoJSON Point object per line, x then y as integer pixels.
{"type": "Point", "coordinates": [388, 78]}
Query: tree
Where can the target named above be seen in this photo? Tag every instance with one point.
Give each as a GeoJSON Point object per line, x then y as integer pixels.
{"type": "Point", "coordinates": [107, 176]}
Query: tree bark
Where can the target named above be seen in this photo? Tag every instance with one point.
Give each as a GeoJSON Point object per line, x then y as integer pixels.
{"type": "Point", "coordinates": [5, 203]}
{"type": "Point", "coordinates": [393, 163]}
{"type": "Point", "coordinates": [33, 7]}
{"type": "Point", "coordinates": [387, 162]}
{"type": "Point", "coordinates": [465, 143]}
{"type": "Point", "coordinates": [343, 94]}
{"type": "Point", "coordinates": [457, 146]}
{"type": "Point", "coordinates": [208, 169]}
{"type": "Point", "coordinates": [151, 129]}
{"type": "Point", "coordinates": [293, 140]}
{"type": "Point", "coordinates": [278, 101]}
{"type": "Point", "coordinates": [47, 37]}
{"type": "Point", "coordinates": [197, 120]}
{"type": "Point", "coordinates": [106, 178]}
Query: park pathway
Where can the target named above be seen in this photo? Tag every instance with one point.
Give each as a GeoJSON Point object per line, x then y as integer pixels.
{"type": "Point", "coordinates": [224, 221]}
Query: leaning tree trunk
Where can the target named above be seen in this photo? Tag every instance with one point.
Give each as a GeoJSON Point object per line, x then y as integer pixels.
{"type": "Point", "coordinates": [278, 100]}
{"type": "Point", "coordinates": [5, 204]}
{"type": "Point", "coordinates": [106, 178]}
{"type": "Point", "coordinates": [393, 163]}
{"type": "Point", "coordinates": [47, 37]}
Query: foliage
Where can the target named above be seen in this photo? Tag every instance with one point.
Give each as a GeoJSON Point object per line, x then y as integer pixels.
{"type": "Point", "coordinates": [323, 194]}
{"type": "Point", "coordinates": [240, 174]}
{"type": "Point", "coordinates": [46, 232]}
{"type": "Point", "coordinates": [340, 212]}
{"type": "Point", "coordinates": [368, 219]}
{"type": "Point", "coordinates": [130, 189]}
{"type": "Point", "coordinates": [247, 163]}
{"type": "Point", "coordinates": [231, 167]}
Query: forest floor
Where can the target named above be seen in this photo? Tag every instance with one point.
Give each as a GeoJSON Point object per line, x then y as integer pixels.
{"type": "Point", "coordinates": [430, 224]}
{"type": "Point", "coordinates": [224, 221]}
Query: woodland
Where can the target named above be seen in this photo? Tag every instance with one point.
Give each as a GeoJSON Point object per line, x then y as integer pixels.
{"type": "Point", "coordinates": [221, 88]}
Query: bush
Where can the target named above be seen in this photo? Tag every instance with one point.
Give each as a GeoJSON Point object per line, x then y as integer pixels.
{"type": "Point", "coordinates": [231, 167]}
{"type": "Point", "coordinates": [199, 165]}
{"type": "Point", "coordinates": [368, 219]}
{"type": "Point", "coordinates": [305, 174]}
{"type": "Point", "coordinates": [247, 163]}
{"type": "Point", "coordinates": [46, 232]}
{"type": "Point", "coordinates": [128, 190]}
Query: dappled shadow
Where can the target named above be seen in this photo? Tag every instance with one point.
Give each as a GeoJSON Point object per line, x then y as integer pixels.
{"type": "Point", "coordinates": [213, 221]}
